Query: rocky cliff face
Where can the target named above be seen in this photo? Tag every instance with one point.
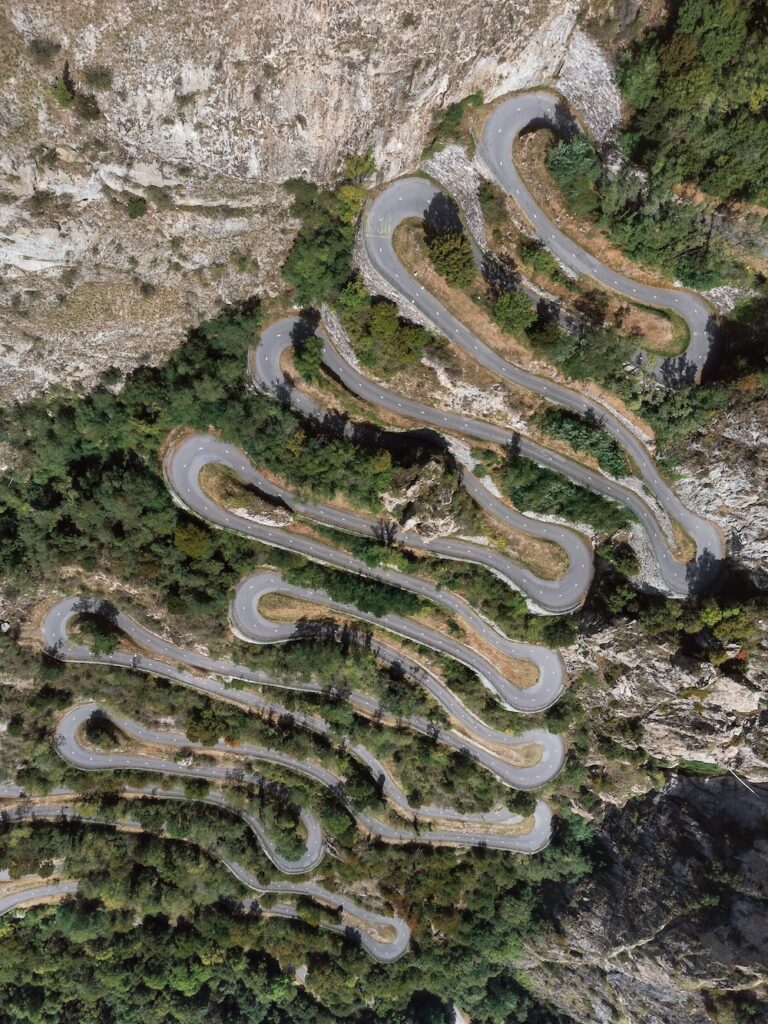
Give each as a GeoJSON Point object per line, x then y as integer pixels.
{"type": "Point", "coordinates": [670, 928]}
{"type": "Point", "coordinates": [724, 478]}
{"type": "Point", "coordinates": [653, 701]}
{"type": "Point", "coordinates": [144, 146]}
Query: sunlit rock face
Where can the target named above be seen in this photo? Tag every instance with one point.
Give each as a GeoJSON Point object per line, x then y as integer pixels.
{"type": "Point", "coordinates": [189, 117]}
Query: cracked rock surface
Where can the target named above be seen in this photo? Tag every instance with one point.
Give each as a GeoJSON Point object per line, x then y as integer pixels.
{"type": "Point", "coordinates": [674, 912]}
{"type": "Point", "coordinates": [151, 194]}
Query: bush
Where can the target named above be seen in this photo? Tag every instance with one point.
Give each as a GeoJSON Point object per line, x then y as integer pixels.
{"type": "Point", "coordinates": [514, 312]}
{"type": "Point", "coordinates": [308, 358]}
{"type": "Point", "coordinates": [540, 260]}
{"type": "Point", "coordinates": [383, 340]}
{"type": "Point", "coordinates": [99, 633]}
{"type": "Point", "coordinates": [62, 93]}
{"type": "Point", "coordinates": [98, 76]}
{"type": "Point", "coordinates": [522, 803]}
{"type": "Point", "coordinates": [642, 216]}
{"type": "Point", "coordinates": [451, 256]}
{"type": "Point", "coordinates": [491, 200]}
{"type": "Point", "coordinates": [161, 197]}
{"type": "Point", "coordinates": [43, 49]}
{"type": "Point", "coordinates": [620, 555]}
{"type": "Point", "coordinates": [700, 106]}
{"type": "Point", "coordinates": [86, 106]}
{"type": "Point", "coordinates": [136, 207]}
{"type": "Point", "coordinates": [651, 225]}
{"type": "Point", "coordinates": [449, 127]}
{"type": "Point", "coordinates": [357, 167]}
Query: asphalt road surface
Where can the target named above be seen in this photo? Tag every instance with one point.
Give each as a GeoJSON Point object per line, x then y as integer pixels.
{"type": "Point", "coordinates": [253, 626]}
{"type": "Point", "coordinates": [35, 894]}
{"type": "Point", "coordinates": [182, 468]}
{"type": "Point", "coordinates": [92, 759]}
{"type": "Point", "coordinates": [475, 738]}
{"type": "Point", "coordinates": [412, 197]}
{"type": "Point", "coordinates": [564, 594]}
{"type": "Point", "coordinates": [384, 937]}
{"type": "Point", "coordinates": [501, 129]}
{"type": "Point", "coordinates": [315, 844]}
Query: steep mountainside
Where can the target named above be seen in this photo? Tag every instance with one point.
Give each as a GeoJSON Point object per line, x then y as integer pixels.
{"type": "Point", "coordinates": [150, 255]}
{"type": "Point", "coordinates": [144, 148]}
{"type": "Point", "coordinates": [670, 929]}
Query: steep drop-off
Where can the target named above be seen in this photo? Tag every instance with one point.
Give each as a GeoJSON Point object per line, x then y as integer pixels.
{"type": "Point", "coordinates": [670, 928]}
{"type": "Point", "coordinates": [144, 147]}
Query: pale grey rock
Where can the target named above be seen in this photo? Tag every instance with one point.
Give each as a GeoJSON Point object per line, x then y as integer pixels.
{"type": "Point", "coordinates": [724, 478]}
{"type": "Point", "coordinates": [215, 105]}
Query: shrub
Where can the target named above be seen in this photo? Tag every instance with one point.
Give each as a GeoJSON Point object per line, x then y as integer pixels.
{"type": "Point", "coordinates": [449, 127]}
{"type": "Point", "coordinates": [697, 88]}
{"type": "Point", "coordinates": [86, 106]}
{"type": "Point", "coordinates": [537, 489]}
{"type": "Point", "coordinates": [358, 166]}
{"type": "Point", "coordinates": [161, 197]}
{"type": "Point", "coordinates": [319, 261]}
{"type": "Point", "coordinates": [62, 93]}
{"type": "Point", "coordinates": [540, 260]}
{"type": "Point", "coordinates": [451, 256]}
{"type": "Point", "coordinates": [43, 49]}
{"type": "Point", "coordinates": [491, 200]}
{"type": "Point", "coordinates": [383, 340]}
{"type": "Point", "coordinates": [136, 207]}
{"type": "Point", "coordinates": [98, 76]}
{"type": "Point", "coordinates": [514, 311]}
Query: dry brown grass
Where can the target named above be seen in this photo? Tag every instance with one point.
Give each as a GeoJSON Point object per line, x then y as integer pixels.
{"type": "Point", "coordinates": [530, 153]}
{"type": "Point", "coordinates": [519, 673]}
{"type": "Point", "coordinates": [222, 486]}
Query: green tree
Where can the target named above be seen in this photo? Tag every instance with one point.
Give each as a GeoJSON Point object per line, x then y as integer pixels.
{"type": "Point", "coordinates": [451, 256]}
{"type": "Point", "coordinates": [697, 86]}
{"type": "Point", "coordinates": [309, 358]}
{"type": "Point", "coordinates": [575, 166]}
{"type": "Point", "coordinates": [514, 311]}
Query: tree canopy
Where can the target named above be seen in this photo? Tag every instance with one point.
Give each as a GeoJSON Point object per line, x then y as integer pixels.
{"type": "Point", "coordinates": [699, 96]}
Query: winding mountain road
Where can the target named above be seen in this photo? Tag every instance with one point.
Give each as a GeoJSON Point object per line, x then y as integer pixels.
{"type": "Point", "coordinates": [183, 466]}
{"type": "Point", "coordinates": [315, 844]}
{"type": "Point", "coordinates": [484, 744]}
{"type": "Point", "coordinates": [253, 626]}
{"type": "Point", "coordinates": [506, 122]}
{"type": "Point", "coordinates": [412, 198]}
{"type": "Point", "coordinates": [91, 759]}
{"type": "Point", "coordinates": [384, 937]}
{"type": "Point", "coordinates": [564, 594]}
{"type": "Point", "coordinates": [36, 894]}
